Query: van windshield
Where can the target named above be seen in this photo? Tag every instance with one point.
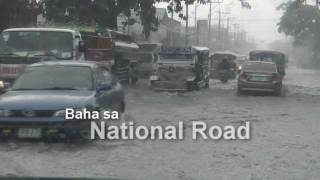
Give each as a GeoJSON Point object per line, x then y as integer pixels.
{"type": "Point", "coordinates": [38, 43]}
{"type": "Point", "coordinates": [176, 57]}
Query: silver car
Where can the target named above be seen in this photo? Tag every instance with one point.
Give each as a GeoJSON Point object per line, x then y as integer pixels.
{"type": "Point", "coordinates": [260, 76]}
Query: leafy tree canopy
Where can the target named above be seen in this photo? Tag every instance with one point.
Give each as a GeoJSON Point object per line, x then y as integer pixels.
{"type": "Point", "coordinates": [105, 12]}
{"type": "Point", "coordinates": [18, 13]}
{"type": "Point", "coordinates": [302, 22]}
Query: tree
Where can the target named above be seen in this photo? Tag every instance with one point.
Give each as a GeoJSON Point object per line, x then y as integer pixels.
{"type": "Point", "coordinates": [106, 12]}
{"type": "Point", "coordinates": [103, 12]}
{"type": "Point", "coordinates": [302, 22]}
{"type": "Point", "coordinates": [18, 13]}
{"type": "Point", "coordinates": [147, 15]}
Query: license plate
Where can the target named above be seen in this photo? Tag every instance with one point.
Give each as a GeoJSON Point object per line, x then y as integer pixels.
{"type": "Point", "coordinates": [12, 70]}
{"type": "Point", "coordinates": [258, 78]}
{"type": "Point", "coordinates": [29, 133]}
{"type": "Point", "coordinates": [153, 78]}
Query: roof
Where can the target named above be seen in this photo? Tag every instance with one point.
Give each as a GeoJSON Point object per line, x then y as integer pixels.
{"type": "Point", "coordinates": [149, 47]}
{"type": "Point", "coordinates": [161, 13]}
{"type": "Point", "coordinates": [90, 64]}
{"type": "Point", "coordinates": [225, 52]}
{"type": "Point", "coordinates": [266, 51]}
{"type": "Point", "coordinates": [199, 48]}
{"type": "Point", "coordinates": [40, 29]}
{"type": "Point", "coordinates": [259, 62]}
{"type": "Point", "coordinates": [149, 44]}
{"type": "Point", "coordinates": [126, 45]}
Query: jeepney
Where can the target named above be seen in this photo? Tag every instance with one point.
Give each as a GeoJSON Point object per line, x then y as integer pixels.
{"type": "Point", "coordinates": [279, 58]}
{"type": "Point", "coordinates": [181, 69]}
{"type": "Point", "coordinates": [216, 71]}
{"type": "Point", "coordinates": [148, 55]}
{"type": "Point", "coordinates": [115, 49]}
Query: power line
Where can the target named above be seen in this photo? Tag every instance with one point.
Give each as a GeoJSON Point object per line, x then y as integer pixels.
{"type": "Point", "coordinates": [252, 20]}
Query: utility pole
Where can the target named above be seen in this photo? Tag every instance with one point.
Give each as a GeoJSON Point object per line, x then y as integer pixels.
{"type": "Point", "coordinates": [228, 27]}
{"type": "Point", "coordinates": [209, 31]}
{"type": "Point", "coordinates": [219, 24]}
{"type": "Point", "coordinates": [228, 24]}
{"type": "Point", "coordinates": [195, 15]}
{"type": "Point", "coordinates": [187, 22]}
{"type": "Point", "coordinates": [195, 23]}
{"type": "Point", "coordinates": [171, 24]}
{"type": "Point", "coordinates": [210, 17]}
{"type": "Point", "coordinates": [235, 32]}
{"type": "Point", "coordinates": [221, 34]}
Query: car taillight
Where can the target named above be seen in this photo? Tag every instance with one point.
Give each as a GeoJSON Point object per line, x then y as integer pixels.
{"type": "Point", "coordinates": [243, 76]}
{"type": "Point", "coordinates": [276, 77]}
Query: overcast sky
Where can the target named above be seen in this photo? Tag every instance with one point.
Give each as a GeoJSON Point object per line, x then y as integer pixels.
{"type": "Point", "coordinates": [260, 22]}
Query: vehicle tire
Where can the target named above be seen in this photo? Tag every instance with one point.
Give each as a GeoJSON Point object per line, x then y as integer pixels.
{"type": "Point", "coordinates": [134, 80]}
{"type": "Point", "coordinates": [224, 79]}
{"type": "Point", "coordinates": [120, 108]}
{"type": "Point", "coordinates": [191, 86]}
{"type": "Point", "coordinates": [207, 85]}
{"type": "Point", "coordinates": [123, 107]}
{"type": "Point", "coordinates": [239, 91]}
{"type": "Point", "coordinates": [85, 135]}
{"type": "Point", "coordinates": [133, 74]}
{"type": "Point", "coordinates": [278, 90]}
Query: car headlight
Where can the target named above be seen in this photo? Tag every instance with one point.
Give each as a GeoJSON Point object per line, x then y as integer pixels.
{"type": "Point", "coordinates": [60, 113]}
{"type": "Point", "coordinates": [190, 78]}
{"type": "Point", "coordinates": [1, 84]}
{"type": "Point", "coordinates": [154, 78]}
{"type": "Point", "coordinates": [5, 113]}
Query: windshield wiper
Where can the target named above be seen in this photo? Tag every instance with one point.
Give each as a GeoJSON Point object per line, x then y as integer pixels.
{"type": "Point", "coordinates": [52, 88]}
{"type": "Point", "coordinates": [47, 55]}
{"type": "Point", "coordinates": [24, 89]}
{"type": "Point", "coordinates": [8, 54]}
{"type": "Point", "coordinates": [61, 88]}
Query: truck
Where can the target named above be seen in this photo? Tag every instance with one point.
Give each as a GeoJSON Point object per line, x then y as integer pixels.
{"type": "Point", "coordinates": [148, 56]}
{"type": "Point", "coordinates": [279, 58]}
{"type": "Point", "coordinates": [20, 47]}
{"type": "Point", "coordinates": [115, 49]}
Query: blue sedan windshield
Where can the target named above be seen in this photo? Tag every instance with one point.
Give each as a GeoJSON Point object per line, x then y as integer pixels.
{"type": "Point", "coordinates": [55, 78]}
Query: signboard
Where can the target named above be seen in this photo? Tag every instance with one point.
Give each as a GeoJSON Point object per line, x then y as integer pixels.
{"type": "Point", "coordinates": [175, 50]}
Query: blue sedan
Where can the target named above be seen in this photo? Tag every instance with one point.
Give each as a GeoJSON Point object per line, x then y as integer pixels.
{"type": "Point", "coordinates": [35, 105]}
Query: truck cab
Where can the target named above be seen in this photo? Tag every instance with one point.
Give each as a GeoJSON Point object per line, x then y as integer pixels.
{"type": "Point", "coordinates": [20, 47]}
{"type": "Point", "coordinates": [115, 49]}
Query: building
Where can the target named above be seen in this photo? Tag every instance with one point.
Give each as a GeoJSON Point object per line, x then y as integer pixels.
{"type": "Point", "coordinates": [169, 30]}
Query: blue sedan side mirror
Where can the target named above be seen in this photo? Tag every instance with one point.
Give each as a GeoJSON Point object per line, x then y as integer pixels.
{"type": "Point", "coordinates": [7, 85]}
{"type": "Point", "coordinates": [103, 86]}
{"type": "Point", "coordinates": [4, 86]}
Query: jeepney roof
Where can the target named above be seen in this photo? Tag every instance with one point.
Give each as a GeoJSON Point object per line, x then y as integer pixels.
{"type": "Point", "coordinates": [177, 50]}
{"type": "Point", "coordinates": [225, 52]}
{"type": "Point", "coordinates": [149, 47]}
{"type": "Point", "coordinates": [39, 29]}
{"type": "Point", "coordinates": [150, 43]}
{"type": "Point", "coordinates": [90, 64]}
{"type": "Point", "coordinates": [199, 48]}
{"type": "Point", "coordinates": [266, 51]}
{"type": "Point", "coordinates": [126, 45]}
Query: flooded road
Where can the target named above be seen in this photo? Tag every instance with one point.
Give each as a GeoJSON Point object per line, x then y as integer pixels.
{"type": "Point", "coordinates": [285, 139]}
